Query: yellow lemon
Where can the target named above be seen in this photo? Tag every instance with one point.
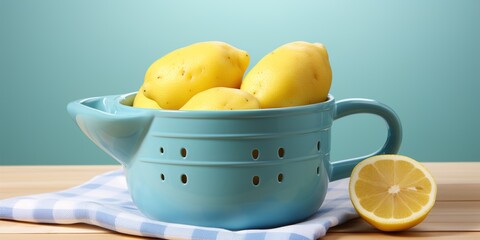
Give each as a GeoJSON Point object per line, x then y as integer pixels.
{"type": "Point", "coordinates": [141, 101]}
{"type": "Point", "coordinates": [174, 78]}
{"type": "Point", "coordinates": [222, 98]}
{"type": "Point", "coordinates": [297, 73]}
{"type": "Point", "coordinates": [392, 192]}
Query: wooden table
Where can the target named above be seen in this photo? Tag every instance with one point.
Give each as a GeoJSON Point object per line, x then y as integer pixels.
{"type": "Point", "coordinates": [456, 214]}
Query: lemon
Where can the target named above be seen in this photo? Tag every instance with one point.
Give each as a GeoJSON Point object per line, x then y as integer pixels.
{"type": "Point", "coordinates": [392, 192]}
{"type": "Point", "coordinates": [141, 101]}
{"type": "Point", "coordinates": [222, 98]}
{"type": "Point", "coordinates": [294, 74]}
{"type": "Point", "coordinates": [176, 77]}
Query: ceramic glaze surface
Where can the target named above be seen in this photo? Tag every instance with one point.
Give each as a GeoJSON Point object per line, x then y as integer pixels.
{"type": "Point", "coordinates": [229, 169]}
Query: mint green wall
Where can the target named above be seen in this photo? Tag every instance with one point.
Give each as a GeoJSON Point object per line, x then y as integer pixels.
{"type": "Point", "coordinates": [422, 58]}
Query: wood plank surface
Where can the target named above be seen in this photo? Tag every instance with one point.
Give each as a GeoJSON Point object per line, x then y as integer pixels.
{"type": "Point", "coordinates": [403, 235]}
{"type": "Point", "coordinates": [28, 180]}
{"type": "Point", "coordinates": [456, 214]}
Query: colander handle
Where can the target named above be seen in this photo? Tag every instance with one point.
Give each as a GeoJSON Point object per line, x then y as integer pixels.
{"type": "Point", "coordinates": [118, 133]}
{"type": "Point", "coordinates": [343, 168]}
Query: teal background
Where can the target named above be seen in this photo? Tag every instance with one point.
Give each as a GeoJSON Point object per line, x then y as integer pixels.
{"type": "Point", "coordinates": [422, 58]}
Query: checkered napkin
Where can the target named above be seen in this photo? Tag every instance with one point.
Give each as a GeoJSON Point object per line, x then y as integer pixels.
{"type": "Point", "coordinates": [104, 201]}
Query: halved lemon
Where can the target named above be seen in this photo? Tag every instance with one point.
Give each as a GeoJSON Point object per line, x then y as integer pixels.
{"type": "Point", "coordinates": [392, 192]}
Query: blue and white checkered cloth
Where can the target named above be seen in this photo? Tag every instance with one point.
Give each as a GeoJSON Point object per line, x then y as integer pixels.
{"type": "Point", "coordinates": [104, 201]}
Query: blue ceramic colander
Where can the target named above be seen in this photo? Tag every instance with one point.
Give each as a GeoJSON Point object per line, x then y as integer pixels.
{"type": "Point", "coordinates": [229, 169]}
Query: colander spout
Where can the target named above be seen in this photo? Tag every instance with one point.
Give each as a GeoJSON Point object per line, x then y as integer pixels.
{"type": "Point", "coordinates": [117, 133]}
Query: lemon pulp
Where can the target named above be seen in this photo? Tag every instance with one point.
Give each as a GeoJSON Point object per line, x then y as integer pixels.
{"type": "Point", "coordinates": [392, 192]}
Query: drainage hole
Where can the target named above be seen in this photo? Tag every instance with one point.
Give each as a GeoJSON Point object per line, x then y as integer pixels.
{"type": "Point", "coordinates": [162, 150]}
{"type": "Point", "coordinates": [183, 152]}
{"type": "Point", "coordinates": [184, 179]}
{"type": "Point", "coordinates": [255, 154]}
{"type": "Point", "coordinates": [318, 145]}
{"type": "Point", "coordinates": [318, 171]}
{"type": "Point", "coordinates": [162, 176]}
{"type": "Point", "coordinates": [281, 152]}
{"type": "Point", "coordinates": [280, 177]}
{"type": "Point", "coordinates": [256, 180]}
